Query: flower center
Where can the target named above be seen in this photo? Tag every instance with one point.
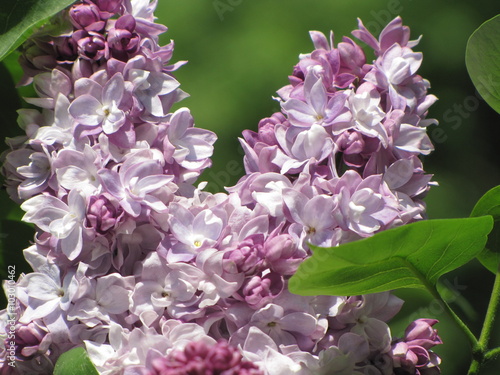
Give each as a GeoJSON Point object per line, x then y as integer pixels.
{"type": "Point", "coordinates": [311, 230]}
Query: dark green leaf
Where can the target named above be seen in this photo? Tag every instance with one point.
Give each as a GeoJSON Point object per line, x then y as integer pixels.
{"type": "Point", "coordinates": [411, 256]}
{"type": "Point", "coordinates": [75, 362]}
{"type": "Point", "coordinates": [489, 204]}
{"type": "Point", "coordinates": [18, 18]}
{"type": "Point", "coordinates": [9, 104]}
{"type": "Point", "coordinates": [482, 59]}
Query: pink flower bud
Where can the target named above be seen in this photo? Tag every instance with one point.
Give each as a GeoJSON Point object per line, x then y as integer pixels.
{"type": "Point", "coordinates": [103, 213]}
{"type": "Point", "coordinates": [259, 291]}
{"type": "Point", "coordinates": [86, 16]}
{"type": "Point", "coordinates": [411, 355]}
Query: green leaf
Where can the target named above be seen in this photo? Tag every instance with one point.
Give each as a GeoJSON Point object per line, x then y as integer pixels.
{"type": "Point", "coordinates": [410, 256]}
{"type": "Point", "coordinates": [18, 18]}
{"type": "Point", "coordinates": [489, 204]}
{"type": "Point", "coordinates": [9, 103]}
{"type": "Point", "coordinates": [75, 362]}
{"type": "Point", "coordinates": [482, 59]}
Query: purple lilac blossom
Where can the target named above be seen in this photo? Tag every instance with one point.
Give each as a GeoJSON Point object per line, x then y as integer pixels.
{"type": "Point", "coordinates": [154, 275]}
{"type": "Point", "coordinates": [412, 354]}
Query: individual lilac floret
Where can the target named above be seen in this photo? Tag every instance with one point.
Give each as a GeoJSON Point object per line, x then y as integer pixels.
{"type": "Point", "coordinates": [367, 114]}
{"type": "Point", "coordinates": [162, 288]}
{"type": "Point", "coordinates": [394, 32]}
{"type": "Point", "coordinates": [200, 358]}
{"type": "Point", "coordinates": [313, 218]}
{"type": "Point", "coordinates": [63, 220]}
{"type": "Point", "coordinates": [412, 355]}
{"type": "Point", "coordinates": [190, 147]}
{"type": "Point", "coordinates": [48, 86]}
{"type": "Point", "coordinates": [154, 90]}
{"type": "Point", "coordinates": [100, 106]}
{"type": "Point", "coordinates": [106, 297]}
{"type": "Point", "coordinates": [319, 107]}
{"type": "Point", "coordinates": [136, 183]}
{"type": "Point", "coordinates": [193, 232]}
{"type": "Point", "coordinates": [76, 169]}
{"type": "Point", "coordinates": [48, 294]}
{"type": "Point", "coordinates": [28, 171]}
{"type": "Point", "coordinates": [364, 205]}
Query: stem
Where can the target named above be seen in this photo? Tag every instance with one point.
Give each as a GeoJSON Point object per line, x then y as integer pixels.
{"type": "Point", "coordinates": [478, 351]}
{"type": "Point", "coordinates": [474, 367]}
{"type": "Point", "coordinates": [470, 336]}
{"type": "Point", "coordinates": [433, 290]}
{"type": "Point", "coordinates": [482, 354]}
{"type": "Point", "coordinates": [490, 314]}
{"type": "Point", "coordinates": [491, 354]}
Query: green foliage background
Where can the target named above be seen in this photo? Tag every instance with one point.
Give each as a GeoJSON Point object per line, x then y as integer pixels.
{"type": "Point", "coordinates": [238, 59]}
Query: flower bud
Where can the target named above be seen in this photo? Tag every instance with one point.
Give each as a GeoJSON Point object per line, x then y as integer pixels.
{"type": "Point", "coordinates": [103, 214]}
{"type": "Point", "coordinates": [86, 16]}
{"type": "Point", "coordinates": [122, 39]}
{"type": "Point", "coordinates": [259, 291]}
{"type": "Point", "coordinates": [91, 45]}
{"type": "Point", "coordinates": [411, 355]}
{"type": "Point", "coordinates": [247, 256]}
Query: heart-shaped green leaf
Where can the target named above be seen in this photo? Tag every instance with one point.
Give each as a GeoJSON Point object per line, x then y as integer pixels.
{"type": "Point", "coordinates": [19, 18]}
{"type": "Point", "coordinates": [75, 362]}
{"type": "Point", "coordinates": [482, 59]}
{"type": "Point", "coordinates": [489, 204]}
{"type": "Point", "coordinates": [410, 256]}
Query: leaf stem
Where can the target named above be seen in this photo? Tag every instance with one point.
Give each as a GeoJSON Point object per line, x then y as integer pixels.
{"type": "Point", "coordinates": [470, 336]}
{"type": "Point", "coordinates": [474, 367]}
{"type": "Point", "coordinates": [433, 290]}
{"type": "Point", "coordinates": [491, 354]}
{"type": "Point", "coordinates": [483, 354]}
{"type": "Point", "coordinates": [484, 338]}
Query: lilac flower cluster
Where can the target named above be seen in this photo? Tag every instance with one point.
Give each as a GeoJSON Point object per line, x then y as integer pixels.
{"type": "Point", "coordinates": [355, 130]}
{"type": "Point", "coordinates": [148, 271]}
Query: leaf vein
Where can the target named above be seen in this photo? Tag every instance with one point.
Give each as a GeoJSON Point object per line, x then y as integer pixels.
{"type": "Point", "coordinates": [443, 253]}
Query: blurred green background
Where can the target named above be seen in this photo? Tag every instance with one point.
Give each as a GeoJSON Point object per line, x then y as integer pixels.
{"type": "Point", "coordinates": [241, 51]}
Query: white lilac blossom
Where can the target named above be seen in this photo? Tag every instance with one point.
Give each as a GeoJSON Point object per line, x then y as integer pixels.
{"type": "Point", "coordinates": [62, 220]}
{"type": "Point", "coordinates": [75, 169]}
{"type": "Point", "coordinates": [30, 170]}
{"type": "Point", "coordinates": [99, 106]}
{"type": "Point", "coordinates": [136, 183]}
{"type": "Point", "coordinates": [193, 233]}
{"type": "Point", "coordinates": [152, 274]}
